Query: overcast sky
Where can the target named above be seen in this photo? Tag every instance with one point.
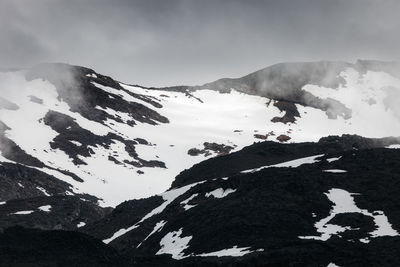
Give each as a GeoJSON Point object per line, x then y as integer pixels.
{"type": "Point", "coordinates": [170, 42]}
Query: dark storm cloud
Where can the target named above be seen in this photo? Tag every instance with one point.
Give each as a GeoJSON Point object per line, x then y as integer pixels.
{"type": "Point", "coordinates": [168, 42]}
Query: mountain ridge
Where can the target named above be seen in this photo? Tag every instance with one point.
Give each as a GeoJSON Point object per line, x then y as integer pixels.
{"type": "Point", "coordinates": [289, 165]}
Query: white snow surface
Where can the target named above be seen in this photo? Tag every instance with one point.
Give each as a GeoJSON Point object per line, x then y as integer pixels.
{"type": "Point", "coordinates": [45, 208]}
{"type": "Point", "coordinates": [174, 244]}
{"type": "Point", "coordinates": [92, 75]}
{"type": "Point", "coordinates": [333, 159]}
{"type": "Point", "coordinates": [393, 147]}
{"type": "Point", "coordinates": [157, 228]}
{"type": "Point", "coordinates": [288, 164]}
{"type": "Point", "coordinates": [23, 212]}
{"type": "Point", "coordinates": [343, 202]}
{"type": "Point", "coordinates": [335, 171]}
{"type": "Point", "coordinates": [168, 196]}
{"type": "Point", "coordinates": [42, 190]}
{"type": "Point", "coordinates": [366, 95]}
{"type": "Point", "coordinates": [229, 252]}
{"type": "Point", "coordinates": [76, 143]}
{"type": "Point", "coordinates": [81, 224]}
{"type": "Point", "coordinates": [185, 202]}
{"type": "Point", "coordinates": [192, 123]}
{"type": "Point", "coordinates": [119, 233]}
{"type": "Point", "coordinates": [220, 193]}
{"type": "Point", "coordinates": [3, 202]}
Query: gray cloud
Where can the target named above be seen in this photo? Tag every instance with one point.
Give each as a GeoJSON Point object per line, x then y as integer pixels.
{"type": "Point", "coordinates": [169, 42]}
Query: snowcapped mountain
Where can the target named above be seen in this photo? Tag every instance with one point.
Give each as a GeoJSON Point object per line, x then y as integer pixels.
{"type": "Point", "coordinates": [236, 171]}
{"type": "Point", "coordinates": [118, 142]}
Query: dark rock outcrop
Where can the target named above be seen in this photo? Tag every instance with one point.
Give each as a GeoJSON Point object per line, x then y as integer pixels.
{"type": "Point", "coordinates": [209, 148]}
{"type": "Point", "coordinates": [21, 247]}
{"type": "Point", "coordinates": [50, 212]}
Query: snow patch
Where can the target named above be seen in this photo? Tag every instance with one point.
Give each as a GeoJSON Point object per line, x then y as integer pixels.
{"type": "Point", "coordinates": [76, 143]}
{"type": "Point", "coordinates": [343, 202]}
{"type": "Point", "coordinates": [172, 243]}
{"type": "Point", "coordinates": [333, 159]}
{"type": "Point", "coordinates": [157, 228]}
{"type": "Point", "coordinates": [335, 171]}
{"type": "Point", "coordinates": [230, 252]}
{"type": "Point", "coordinates": [220, 193]}
{"type": "Point", "coordinates": [393, 146]}
{"type": "Point", "coordinates": [45, 208]}
{"type": "Point", "coordinates": [288, 164]}
{"type": "Point", "coordinates": [42, 190]}
{"type": "Point", "coordinates": [168, 196]}
{"type": "Point", "coordinates": [92, 75]}
{"type": "Point", "coordinates": [23, 212]}
{"type": "Point", "coordinates": [186, 201]}
{"type": "Point", "coordinates": [119, 233]}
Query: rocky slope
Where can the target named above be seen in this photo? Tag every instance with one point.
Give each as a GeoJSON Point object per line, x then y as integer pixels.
{"type": "Point", "coordinates": [21, 247]}
{"type": "Point", "coordinates": [306, 204]}
{"type": "Point", "coordinates": [273, 204]}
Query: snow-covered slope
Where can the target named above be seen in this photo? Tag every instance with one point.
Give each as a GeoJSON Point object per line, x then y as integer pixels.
{"type": "Point", "coordinates": [118, 142]}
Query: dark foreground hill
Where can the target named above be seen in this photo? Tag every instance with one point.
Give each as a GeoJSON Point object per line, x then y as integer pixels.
{"type": "Point", "coordinates": [270, 204]}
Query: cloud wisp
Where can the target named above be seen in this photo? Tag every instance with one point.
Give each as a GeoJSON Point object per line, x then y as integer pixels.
{"type": "Point", "coordinates": [162, 43]}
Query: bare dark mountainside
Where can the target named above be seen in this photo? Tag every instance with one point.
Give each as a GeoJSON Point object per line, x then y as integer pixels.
{"type": "Point", "coordinates": [22, 247]}
{"type": "Point", "coordinates": [265, 212]}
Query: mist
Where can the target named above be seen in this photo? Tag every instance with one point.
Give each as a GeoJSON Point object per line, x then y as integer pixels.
{"type": "Point", "coordinates": [172, 42]}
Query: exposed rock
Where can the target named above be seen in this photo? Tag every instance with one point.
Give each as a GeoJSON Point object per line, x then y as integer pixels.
{"type": "Point", "coordinates": [69, 131]}
{"type": "Point", "coordinates": [195, 152]}
{"type": "Point", "coordinates": [21, 247]}
{"type": "Point", "coordinates": [290, 110]}
{"type": "Point", "coordinates": [18, 181]}
{"type": "Point", "coordinates": [264, 136]}
{"type": "Point", "coordinates": [56, 212]}
{"type": "Point", "coordinates": [261, 136]}
{"type": "Point", "coordinates": [209, 148]}
{"type": "Point", "coordinates": [283, 138]}
{"type": "Point", "coordinates": [270, 153]}
{"type": "Point", "coordinates": [77, 89]}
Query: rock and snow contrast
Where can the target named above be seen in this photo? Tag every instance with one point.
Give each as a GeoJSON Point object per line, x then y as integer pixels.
{"type": "Point", "coordinates": [234, 172]}
{"type": "Point", "coordinates": [117, 142]}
